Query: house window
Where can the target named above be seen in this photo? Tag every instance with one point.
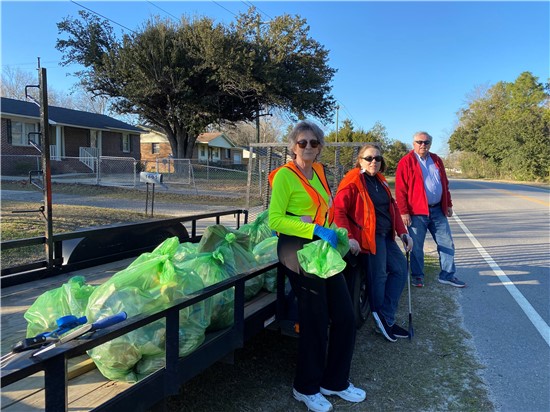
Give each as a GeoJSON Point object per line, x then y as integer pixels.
{"type": "Point", "coordinates": [228, 153]}
{"type": "Point", "coordinates": [203, 154]}
{"type": "Point", "coordinates": [20, 133]}
{"type": "Point", "coordinates": [126, 143]}
{"type": "Point", "coordinates": [155, 148]}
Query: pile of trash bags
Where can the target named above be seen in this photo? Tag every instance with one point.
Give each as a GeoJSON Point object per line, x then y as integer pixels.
{"type": "Point", "coordinates": [172, 271]}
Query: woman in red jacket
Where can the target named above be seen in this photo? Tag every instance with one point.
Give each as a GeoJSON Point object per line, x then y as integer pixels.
{"type": "Point", "coordinates": [365, 207]}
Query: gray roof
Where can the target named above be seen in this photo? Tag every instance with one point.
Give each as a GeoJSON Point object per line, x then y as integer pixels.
{"type": "Point", "coordinates": [66, 117]}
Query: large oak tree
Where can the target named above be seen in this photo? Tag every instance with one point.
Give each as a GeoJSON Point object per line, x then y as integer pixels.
{"type": "Point", "coordinates": [181, 77]}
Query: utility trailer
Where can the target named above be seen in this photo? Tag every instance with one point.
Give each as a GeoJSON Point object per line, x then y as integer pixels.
{"type": "Point", "coordinates": [65, 378]}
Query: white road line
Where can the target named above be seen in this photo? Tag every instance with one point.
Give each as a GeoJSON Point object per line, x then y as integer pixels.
{"type": "Point", "coordinates": [537, 321]}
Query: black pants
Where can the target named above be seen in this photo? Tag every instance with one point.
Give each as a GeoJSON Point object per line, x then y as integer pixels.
{"type": "Point", "coordinates": [321, 302]}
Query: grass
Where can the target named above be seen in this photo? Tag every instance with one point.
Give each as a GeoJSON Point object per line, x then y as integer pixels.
{"type": "Point", "coordinates": [133, 194]}
{"type": "Point", "coordinates": [71, 218]}
{"type": "Point", "coordinates": [66, 219]}
{"type": "Point", "coordinates": [436, 371]}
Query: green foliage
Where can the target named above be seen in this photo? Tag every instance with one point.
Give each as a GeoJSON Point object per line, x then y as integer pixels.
{"type": "Point", "coordinates": [476, 166]}
{"type": "Point", "coordinates": [182, 77]}
{"type": "Point", "coordinates": [393, 150]}
{"type": "Point", "coordinates": [347, 134]}
{"type": "Point", "coordinates": [508, 128]}
{"type": "Point", "coordinates": [393, 154]}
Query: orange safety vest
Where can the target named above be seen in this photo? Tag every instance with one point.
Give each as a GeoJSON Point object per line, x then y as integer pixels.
{"type": "Point", "coordinates": [365, 208]}
{"type": "Point", "coordinates": [324, 212]}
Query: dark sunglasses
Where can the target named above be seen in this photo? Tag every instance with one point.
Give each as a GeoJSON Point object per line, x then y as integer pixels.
{"type": "Point", "coordinates": [421, 142]}
{"type": "Point", "coordinates": [302, 144]}
{"type": "Point", "coordinates": [371, 158]}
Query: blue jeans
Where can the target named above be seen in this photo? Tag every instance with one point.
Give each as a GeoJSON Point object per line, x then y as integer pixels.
{"type": "Point", "coordinates": [387, 276]}
{"type": "Point", "coordinates": [438, 225]}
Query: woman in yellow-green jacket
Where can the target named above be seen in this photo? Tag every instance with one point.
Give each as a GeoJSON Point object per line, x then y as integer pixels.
{"type": "Point", "coordinates": [300, 211]}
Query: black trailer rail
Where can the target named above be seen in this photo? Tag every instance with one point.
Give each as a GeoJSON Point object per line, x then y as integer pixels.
{"type": "Point", "coordinates": [95, 246]}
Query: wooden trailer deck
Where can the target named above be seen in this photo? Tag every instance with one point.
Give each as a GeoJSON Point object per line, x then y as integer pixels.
{"type": "Point", "coordinates": [87, 388]}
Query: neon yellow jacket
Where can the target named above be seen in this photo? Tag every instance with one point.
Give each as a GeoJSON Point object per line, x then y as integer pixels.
{"type": "Point", "coordinates": [292, 203]}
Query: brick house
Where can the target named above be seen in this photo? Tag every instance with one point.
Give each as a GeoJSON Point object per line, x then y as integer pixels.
{"type": "Point", "coordinates": [211, 148]}
{"type": "Point", "coordinates": [73, 134]}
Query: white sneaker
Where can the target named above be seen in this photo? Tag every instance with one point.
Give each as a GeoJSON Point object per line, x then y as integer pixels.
{"type": "Point", "coordinates": [351, 394]}
{"type": "Point", "coordinates": [315, 403]}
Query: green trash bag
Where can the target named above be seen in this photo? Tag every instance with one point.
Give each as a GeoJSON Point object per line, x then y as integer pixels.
{"type": "Point", "coordinates": [343, 240]}
{"type": "Point", "coordinates": [238, 247]}
{"type": "Point", "coordinates": [321, 259]}
{"type": "Point", "coordinates": [149, 284]}
{"type": "Point", "coordinates": [266, 252]}
{"type": "Point", "coordinates": [257, 230]}
{"type": "Point", "coordinates": [214, 267]}
{"type": "Point", "coordinates": [71, 298]}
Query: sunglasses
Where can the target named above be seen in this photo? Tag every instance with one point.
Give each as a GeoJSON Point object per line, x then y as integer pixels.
{"type": "Point", "coordinates": [302, 144]}
{"type": "Point", "coordinates": [421, 142]}
{"type": "Point", "coordinates": [371, 158]}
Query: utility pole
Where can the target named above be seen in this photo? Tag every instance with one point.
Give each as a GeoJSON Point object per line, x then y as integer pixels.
{"type": "Point", "coordinates": [45, 129]}
{"type": "Point", "coordinates": [337, 108]}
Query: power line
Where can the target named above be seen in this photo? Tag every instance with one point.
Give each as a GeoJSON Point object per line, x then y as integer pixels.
{"type": "Point", "coordinates": [225, 8]}
{"type": "Point", "coordinates": [160, 8]}
{"type": "Point", "coordinates": [342, 105]}
{"type": "Point", "coordinates": [29, 63]}
{"type": "Point", "coordinates": [260, 10]}
{"type": "Point", "coordinates": [106, 18]}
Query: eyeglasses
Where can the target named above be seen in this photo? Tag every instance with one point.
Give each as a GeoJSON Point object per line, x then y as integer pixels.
{"type": "Point", "coordinates": [302, 144]}
{"type": "Point", "coordinates": [371, 158]}
{"type": "Point", "coordinates": [421, 142]}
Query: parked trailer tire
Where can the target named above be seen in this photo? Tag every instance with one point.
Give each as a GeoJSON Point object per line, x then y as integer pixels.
{"type": "Point", "coordinates": [356, 277]}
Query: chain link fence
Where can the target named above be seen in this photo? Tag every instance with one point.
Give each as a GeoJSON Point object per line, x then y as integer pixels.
{"type": "Point", "coordinates": [248, 182]}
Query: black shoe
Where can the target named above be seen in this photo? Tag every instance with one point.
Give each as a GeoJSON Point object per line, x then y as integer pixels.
{"type": "Point", "coordinates": [384, 327]}
{"type": "Point", "coordinates": [418, 282]}
{"type": "Point", "coordinates": [399, 332]}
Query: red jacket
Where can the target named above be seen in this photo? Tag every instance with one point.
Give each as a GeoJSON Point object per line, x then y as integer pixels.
{"type": "Point", "coordinates": [409, 186]}
{"type": "Point", "coordinates": [354, 210]}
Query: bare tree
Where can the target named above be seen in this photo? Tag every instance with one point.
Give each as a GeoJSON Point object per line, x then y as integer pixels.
{"type": "Point", "coordinates": [14, 81]}
{"type": "Point", "coordinates": [243, 133]}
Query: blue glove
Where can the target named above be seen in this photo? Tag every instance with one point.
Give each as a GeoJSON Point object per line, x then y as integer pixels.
{"type": "Point", "coordinates": [326, 234]}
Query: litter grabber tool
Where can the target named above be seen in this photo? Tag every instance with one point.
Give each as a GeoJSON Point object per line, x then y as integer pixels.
{"type": "Point", "coordinates": [411, 330]}
{"type": "Point", "coordinates": [90, 327]}
{"type": "Point", "coordinates": [64, 324]}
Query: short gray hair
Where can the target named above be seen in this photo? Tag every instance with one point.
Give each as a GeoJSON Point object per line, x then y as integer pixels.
{"type": "Point", "coordinates": [303, 126]}
{"type": "Point", "coordinates": [422, 134]}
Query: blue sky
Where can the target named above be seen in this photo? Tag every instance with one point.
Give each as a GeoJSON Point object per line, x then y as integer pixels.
{"type": "Point", "coordinates": [409, 65]}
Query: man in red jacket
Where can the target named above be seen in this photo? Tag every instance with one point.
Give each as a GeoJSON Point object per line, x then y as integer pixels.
{"type": "Point", "coordinates": [424, 201]}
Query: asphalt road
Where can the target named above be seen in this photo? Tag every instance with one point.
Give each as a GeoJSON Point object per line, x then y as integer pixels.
{"type": "Point", "coordinates": [502, 238]}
